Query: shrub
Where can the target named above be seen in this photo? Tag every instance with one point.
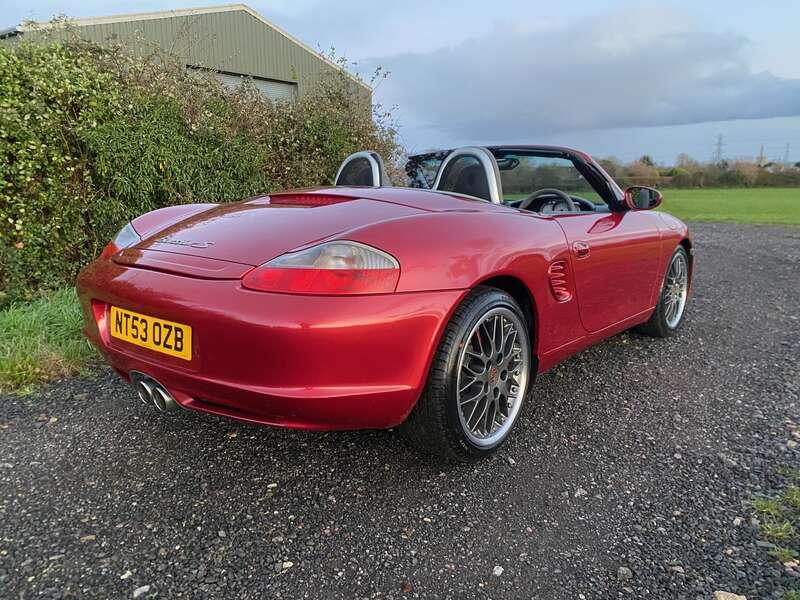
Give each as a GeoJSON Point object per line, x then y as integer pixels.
{"type": "Point", "coordinates": [91, 136]}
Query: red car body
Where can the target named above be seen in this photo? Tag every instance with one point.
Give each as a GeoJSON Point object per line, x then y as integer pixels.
{"type": "Point", "coordinates": [361, 361]}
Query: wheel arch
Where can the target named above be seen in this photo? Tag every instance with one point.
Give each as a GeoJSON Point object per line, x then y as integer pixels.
{"type": "Point", "coordinates": [687, 245]}
{"type": "Point", "coordinates": [517, 289]}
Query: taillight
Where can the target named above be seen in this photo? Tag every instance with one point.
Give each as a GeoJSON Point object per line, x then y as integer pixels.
{"type": "Point", "coordinates": [109, 250]}
{"type": "Point", "coordinates": [126, 237]}
{"type": "Point", "coordinates": [332, 268]}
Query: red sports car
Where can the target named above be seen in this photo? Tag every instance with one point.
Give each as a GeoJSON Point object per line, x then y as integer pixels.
{"type": "Point", "coordinates": [367, 306]}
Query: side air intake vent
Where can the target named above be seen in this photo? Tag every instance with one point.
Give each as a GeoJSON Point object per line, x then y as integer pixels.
{"type": "Point", "coordinates": [559, 281]}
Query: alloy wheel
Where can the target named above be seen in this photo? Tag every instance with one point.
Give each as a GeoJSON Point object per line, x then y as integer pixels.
{"type": "Point", "coordinates": [493, 371]}
{"type": "Point", "coordinates": [676, 288]}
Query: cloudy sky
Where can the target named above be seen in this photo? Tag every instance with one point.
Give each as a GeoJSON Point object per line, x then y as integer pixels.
{"type": "Point", "coordinates": [614, 78]}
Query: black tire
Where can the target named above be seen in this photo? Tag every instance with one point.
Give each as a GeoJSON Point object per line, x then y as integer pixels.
{"type": "Point", "coordinates": [434, 424]}
{"type": "Point", "coordinates": [658, 324]}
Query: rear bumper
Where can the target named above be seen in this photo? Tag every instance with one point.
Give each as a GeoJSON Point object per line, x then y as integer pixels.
{"type": "Point", "coordinates": [306, 362]}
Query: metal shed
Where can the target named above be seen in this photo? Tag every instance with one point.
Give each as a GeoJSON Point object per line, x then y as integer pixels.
{"type": "Point", "coordinates": [232, 40]}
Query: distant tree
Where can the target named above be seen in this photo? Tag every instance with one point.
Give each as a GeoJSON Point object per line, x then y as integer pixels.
{"type": "Point", "coordinates": [748, 171]}
{"type": "Point", "coordinates": [684, 161]}
{"type": "Point", "coordinates": [665, 171]}
{"type": "Point", "coordinates": [732, 178]}
{"type": "Point", "coordinates": [641, 173]}
{"type": "Point", "coordinates": [612, 165]}
{"type": "Point", "coordinates": [688, 172]}
{"type": "Point", "coordinates": [680, 177]}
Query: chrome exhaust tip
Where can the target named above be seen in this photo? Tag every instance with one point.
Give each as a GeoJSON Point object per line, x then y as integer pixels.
{"type": "Point", "coordinates": [144, 390]}
{"type": "Point", "coordinates": [143, 387]}
{"type": "Point", "coordinates": [161, 399]}
{"type": "Point", "coordinates": [152, 392]}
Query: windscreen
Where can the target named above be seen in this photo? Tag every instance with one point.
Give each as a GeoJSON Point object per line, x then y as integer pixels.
{"type": "Point", "coordinates": [524, 173]}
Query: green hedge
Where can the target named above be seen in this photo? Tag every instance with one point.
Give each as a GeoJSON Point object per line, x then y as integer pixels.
{"type": "Point", "coordinates": [90, 137]}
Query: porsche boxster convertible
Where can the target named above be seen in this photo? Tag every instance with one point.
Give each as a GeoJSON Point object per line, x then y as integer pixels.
{"type": "Point", "coordinates": [430, 307]}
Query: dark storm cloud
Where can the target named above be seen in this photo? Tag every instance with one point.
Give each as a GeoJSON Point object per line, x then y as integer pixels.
{"type": "Point", "coordinates": [625, 70]}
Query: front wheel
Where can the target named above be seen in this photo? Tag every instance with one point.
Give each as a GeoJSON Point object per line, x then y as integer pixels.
{"type": "Point", "coordinates": [478, 379]}
{"type": "Point", "coordinates": [671, 307]}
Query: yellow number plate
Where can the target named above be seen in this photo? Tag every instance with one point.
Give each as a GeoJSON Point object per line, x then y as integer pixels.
{"type": "Point", "coordinates": [160, 335]}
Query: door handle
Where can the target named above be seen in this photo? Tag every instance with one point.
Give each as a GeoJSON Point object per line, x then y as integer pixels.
{"type": "Point", "coordinates": [581, 249]}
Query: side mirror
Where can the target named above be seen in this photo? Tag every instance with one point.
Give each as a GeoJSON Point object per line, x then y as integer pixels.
{"type": "Point", "coordinates": [638, 197]}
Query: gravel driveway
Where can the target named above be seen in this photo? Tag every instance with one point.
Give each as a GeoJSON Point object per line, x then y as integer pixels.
{"type": "Point", "coordinates": [638, 453]}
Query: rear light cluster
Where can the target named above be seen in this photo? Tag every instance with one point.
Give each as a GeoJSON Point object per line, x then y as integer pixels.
{"type": "Point", "coordinates": [126, 237]}
{"type": "Point", "coordinates": [332, 268]}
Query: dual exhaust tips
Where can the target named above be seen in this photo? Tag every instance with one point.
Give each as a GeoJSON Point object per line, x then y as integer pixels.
{"type": "Point", "coordinates": [153, 393]}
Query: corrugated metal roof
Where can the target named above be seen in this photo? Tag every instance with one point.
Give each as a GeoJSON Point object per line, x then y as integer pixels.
{"type": "Point", "coordinates": [188, 12]}
{"type": "Point", "coordinates": [9, 32]}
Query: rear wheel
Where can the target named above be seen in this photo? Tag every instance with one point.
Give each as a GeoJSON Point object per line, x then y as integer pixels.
{"type": "Point", "coordinates": [478, 379]}
{"type": "Point", "coordinates": [671, 307]}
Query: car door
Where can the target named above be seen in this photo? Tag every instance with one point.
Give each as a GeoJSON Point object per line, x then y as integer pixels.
{"type": "Point", "coordinates": [615, 261]}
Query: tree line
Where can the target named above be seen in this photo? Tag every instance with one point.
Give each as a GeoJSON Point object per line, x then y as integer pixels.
{"type": "Point", "coordinates": [690, 173]}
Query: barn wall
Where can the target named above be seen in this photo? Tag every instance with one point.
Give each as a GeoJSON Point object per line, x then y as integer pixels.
{"type": "Point", "coordinates": [233, 41]}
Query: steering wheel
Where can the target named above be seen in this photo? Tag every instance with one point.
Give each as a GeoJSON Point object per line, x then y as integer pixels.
{"type": "Point", "coordinates": [548, 192]}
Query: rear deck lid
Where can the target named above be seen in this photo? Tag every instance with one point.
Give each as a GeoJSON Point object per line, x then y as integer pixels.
{"type": "Point", "coordinates": [182, 264]}
{"type": "Point", "coordinates": [255, 231]}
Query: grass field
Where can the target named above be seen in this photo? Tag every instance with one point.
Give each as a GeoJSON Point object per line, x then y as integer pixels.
{"type": "Point", "coordinates": [778, 206]}
{"type": "Point", "coordinates": [42, 340]}
{"type": "Point", "coordinates": [769, 206]}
